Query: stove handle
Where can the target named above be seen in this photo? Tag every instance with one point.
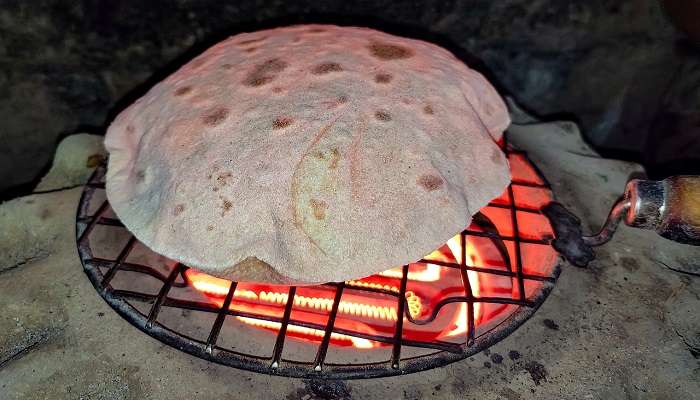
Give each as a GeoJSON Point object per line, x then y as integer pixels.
{"type": "Point", "coordinates": [670, 207]}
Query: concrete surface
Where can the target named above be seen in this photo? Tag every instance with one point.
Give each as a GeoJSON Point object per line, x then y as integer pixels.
{"type": "Point", "coordinates": [627, 327]}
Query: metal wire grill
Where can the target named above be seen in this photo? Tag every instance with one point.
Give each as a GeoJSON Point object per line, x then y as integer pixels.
{"type": "Point", "coordinates": [529, 291]}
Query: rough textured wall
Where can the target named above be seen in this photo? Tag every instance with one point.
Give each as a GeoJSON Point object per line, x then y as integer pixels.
{"type": "Point", "coordinates": [619, 66]}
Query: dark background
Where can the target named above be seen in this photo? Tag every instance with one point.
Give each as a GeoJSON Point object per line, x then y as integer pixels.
{"type": "Point", "coordinates": [620, 68]}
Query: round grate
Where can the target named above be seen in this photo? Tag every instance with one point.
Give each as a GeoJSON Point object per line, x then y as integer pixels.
{"type": "Point", "coordinates": [158, 296]}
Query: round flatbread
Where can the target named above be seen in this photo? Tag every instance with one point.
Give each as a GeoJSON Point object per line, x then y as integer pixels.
{"type": "Point", "coordinates": [307, 154]}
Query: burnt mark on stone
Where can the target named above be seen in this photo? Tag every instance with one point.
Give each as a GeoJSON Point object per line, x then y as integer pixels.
{"type": "Point", "coordinates": [537, 371]}
{"type": "Point", "coordinates": [629, 263]}
{"type": "Point", "coordinates": [215, 116]}
{"type": "Point", "coordinates": [550, 324]}
{"type": "Point", "coordinates": [382, 116]}
{"type": "Point", "coordinates": [321, 389]}
{"type": "Point", "coordinates": [388, 51]}
{"type": "Point", "coordinates": [383, 78]}
{"type": "Point", "coordinates": [326, 68]}
{"type": "Point", "coordinates": [514, 355]}
{"type": "Point", "coordinates": [45, 214]}
{"type": "Point", "coordinates": [430, 182]}
{"type": "Point", "coordinates": [282, 122]}
{"type": "Point", "coordinates": [265, 72]}
{"type": "Point", "coordinates": [181, 91]}
{"type": "Point", "coordinates": [496, 358]}
{"type": "Point", "coordinates": [178, 209]}
{"type": "Point", "coordinates": [318, 207]}
{"type": "Point", "coordinates": [428, 109]}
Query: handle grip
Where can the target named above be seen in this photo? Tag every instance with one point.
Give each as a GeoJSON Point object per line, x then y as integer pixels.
{"type": "Point", "coordinates": [670, 207]}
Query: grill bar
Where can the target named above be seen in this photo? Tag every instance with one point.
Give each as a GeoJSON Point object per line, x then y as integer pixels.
{"type": "Point", "coordinates": [323, 347]}
{"type": "Point", "coordinates": [467, 290]}
{"type": "Point", "coordinates": [282, 334]}
{"type": "Point", "coordinates": [101, 271]}
{"type": "Point", "coordinates": [398, 334]}
{"type": "Point", "coordinates": [120, 259]}
{"type": "Point", "coordinates": [155, 309]}
{"type": "Point", "coordinates": [219, 322]}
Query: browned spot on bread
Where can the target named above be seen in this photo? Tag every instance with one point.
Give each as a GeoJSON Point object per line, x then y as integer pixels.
{"type": "Point", "coordinates": [383, 78]}
{"type": "Point", "coordinates": [259, 81]}
{"type": "Point", "coordinates": [430, 182]}
{"type": "Point", "coordinates": [282, 122]}
{"type": "Point", "coordinates": [428, 109]}
{"type": "Point", "coordinates": [387, 51]}
{"type": "Point", "coordinates": [181, 91]}
{"type": "Point", "coordinates": [178, 209]}
{"type": "Point", "coordinates": [251, 41]}
{"type": "Point", "coordinates": [210, 227]}
{"type": "Point", "coordinates": [325, 68]}
{"type": "Point", "coordinates": [226, 206]}
{"type": "Point", "coordinates": [222, 178]}
{"type": "Point", "coordinates": [251, 50]}
{"type": "Point", "coordinates": [264, 73]}
{"type": "Point", "coordinates": [276, 89]}
{"type": "Point", "coordinates": [215, 116]}
{"type": "Point", "coordinates": [226, 66]}
{"type": "Point", "coordinates": [335, 158]}
{"type": "Point", "coordinates": [273, 65]}
{"type": "Point", "coordinates": [382, 116]}
{"type": "Point", "coordinates": [130, 129]}
{"type": "Point", "coordinates": [496, 156]}
{"type": "Point", "coordinates": [94, 160]}
{"type": "Point", "coordinates": [318, 207]}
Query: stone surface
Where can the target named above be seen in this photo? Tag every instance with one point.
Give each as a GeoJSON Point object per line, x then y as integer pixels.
{"type": "Point", "coordinates": [71, 65]}
{"type": "Point", "coordinates": [75, 160]}
{"type": "Point", "coordinates": [625, 327]}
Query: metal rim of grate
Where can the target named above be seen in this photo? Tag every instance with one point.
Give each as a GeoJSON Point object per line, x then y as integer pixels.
{"type": "Point", "coordinates": [274, 364]}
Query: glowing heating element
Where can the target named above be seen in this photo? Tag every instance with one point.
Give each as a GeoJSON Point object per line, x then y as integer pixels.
{"type": "Point", "coordinates": [368, 306]}
{"type": "Point", "coordinates": [370, 310]}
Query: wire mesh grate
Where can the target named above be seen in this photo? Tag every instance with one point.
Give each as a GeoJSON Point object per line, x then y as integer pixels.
{"type": "Point", "coordinates": [506, 224]}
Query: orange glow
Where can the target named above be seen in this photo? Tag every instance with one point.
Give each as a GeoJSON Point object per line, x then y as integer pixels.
{"type": "Point", "coordinates": [372, 310]}
{"type": "Point", "coordinates": [376, 312]}
{"type": "Point", "coordinates": [461, 325]}
{"type": "Point", "coordinates": [430, 273]}
{"type": "Point", "coordinates": [302, 331]}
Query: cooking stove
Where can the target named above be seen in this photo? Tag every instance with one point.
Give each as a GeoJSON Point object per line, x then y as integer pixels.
{"type": "Point", "coordinates": [460, 299]}
{"type": "Point", "coordinates": [624, 327]}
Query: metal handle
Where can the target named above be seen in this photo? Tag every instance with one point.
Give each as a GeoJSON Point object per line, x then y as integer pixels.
{"type": "Point", "coordinates": [670, 207]}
